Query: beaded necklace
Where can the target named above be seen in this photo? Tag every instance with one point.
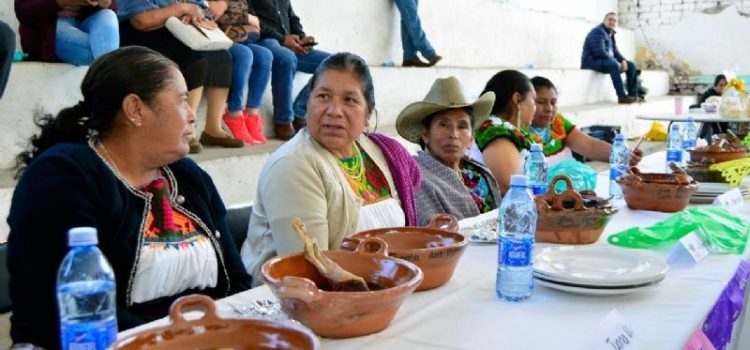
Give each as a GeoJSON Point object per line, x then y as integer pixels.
{"type": "Point", "coordinates": [354, 165]}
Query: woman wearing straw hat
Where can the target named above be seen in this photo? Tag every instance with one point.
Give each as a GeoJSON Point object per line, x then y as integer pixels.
{"type": "Point", "coordinates": [442, 125]}
{"type": "Point", "coordinates": [503, 140]}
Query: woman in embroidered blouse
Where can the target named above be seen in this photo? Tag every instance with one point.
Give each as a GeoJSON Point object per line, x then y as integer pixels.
{"type": "Point", "coordinates": [442, 124]}
{"type": "Point", "coordinates": [504, 139]}
{"type": "Point", "coordinates": [338, 179]}
{"type": "Point", "coordinates": [115, 161]}
{"type": "Point", "coordinates": [560, 136]}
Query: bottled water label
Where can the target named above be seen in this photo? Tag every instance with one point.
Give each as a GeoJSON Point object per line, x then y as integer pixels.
{"type": "Point", "coordinates": [538, 188]}
{"type": "Point", "coordinates": [674, 156]}
{"type": "Point", "coordinates": [616, 172]}
{"type": "Point", "coordinates": [688, 144]}
{"type": "Point", "coordinates": [89, 335]}
{"type": "Point", "coordinates": [515, 252]}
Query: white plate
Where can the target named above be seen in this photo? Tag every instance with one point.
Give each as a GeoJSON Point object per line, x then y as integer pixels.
{"type": "Point", "coordinates": [483, 232]}
{"type": "Point", "coordinates": [598, 266]}
{"type": "Point", "coordinates": [594, 291]}
{"type": "Point", "coordinates": [717, 188]}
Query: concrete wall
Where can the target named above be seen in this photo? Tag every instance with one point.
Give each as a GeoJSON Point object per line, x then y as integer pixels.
{"type": "Point", "coordinates": [691, 36]}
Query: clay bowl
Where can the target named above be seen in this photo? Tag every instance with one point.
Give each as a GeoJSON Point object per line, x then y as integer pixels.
{"type": "Point", "coordinates": [659, 192]}
{"type": "Point", "coordinates": [217, 332]}
{"type": "Point", "coordinates": [436, 251]}
{"type": "Point", "coordinates": [716, 156]}
{"type": "Point", "coordinates": [301, 289]}
{"type": "Point", "coordinates": [570, 217]}
{"type": "Point", "coordinates": [700, 172]}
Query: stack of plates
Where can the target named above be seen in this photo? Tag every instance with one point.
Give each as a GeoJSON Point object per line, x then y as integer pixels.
{"type": "Point", "coordinates": [597, 270]}
{"type": "Point", "coordinates": [708, 191]}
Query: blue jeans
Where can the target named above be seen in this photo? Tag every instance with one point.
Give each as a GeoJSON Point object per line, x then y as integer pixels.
{"type": "Point", "coordinates": [413, 38]}
{"type": "Point", "coordinates": [612, 68]}
{"type": "Point", "coordinates": [251, 67]}
{"type": "Point", "coordinates": [81, 42]}
{"type": "Point", "coordinates": [285, 64]}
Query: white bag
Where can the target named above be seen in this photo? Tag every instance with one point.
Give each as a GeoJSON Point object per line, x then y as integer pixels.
{"type": "Point", "coordinates": [205, 36]}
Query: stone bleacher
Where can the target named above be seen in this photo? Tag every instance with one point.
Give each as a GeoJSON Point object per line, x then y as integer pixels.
{"type": "Point", "coordinates": [477, 38]}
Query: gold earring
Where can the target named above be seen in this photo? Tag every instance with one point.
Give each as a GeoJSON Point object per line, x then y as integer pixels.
{"type": "Point", "coordinates": [518, 119]}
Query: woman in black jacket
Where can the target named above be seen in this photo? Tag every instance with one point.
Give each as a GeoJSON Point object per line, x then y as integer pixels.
{"type": "Point", "coordinates": [115, 161]}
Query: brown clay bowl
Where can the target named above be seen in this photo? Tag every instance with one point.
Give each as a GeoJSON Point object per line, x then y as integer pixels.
{"type": "Point", "coordinates": [218, 333]}
{"type": "Point", "coordinates": [565, 218]}
{"type": "Point", "coordinates": [714, 156]}
{"type": "Point", "coordinates": [435, 248]}
{"type": "Point", "coordinates": [654, 191]}
{"type": "Point", "coordinates": [301, 289]}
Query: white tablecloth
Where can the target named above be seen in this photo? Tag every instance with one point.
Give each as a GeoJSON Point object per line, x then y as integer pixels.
{"type": "Point", "coordinates": [466, 314]}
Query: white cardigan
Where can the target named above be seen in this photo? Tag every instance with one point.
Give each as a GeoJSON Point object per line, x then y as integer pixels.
{"type": "Point", "coordinates": [302, 179]}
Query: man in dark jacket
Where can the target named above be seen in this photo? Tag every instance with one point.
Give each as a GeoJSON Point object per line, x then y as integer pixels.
{"type": "Point", "coordinates": [600, 53]}
{"type": "Point", "coordinates": [292, 49]}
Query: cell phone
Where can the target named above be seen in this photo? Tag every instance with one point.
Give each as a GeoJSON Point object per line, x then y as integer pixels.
{"type": "Point", "coordinates": [311, 43]}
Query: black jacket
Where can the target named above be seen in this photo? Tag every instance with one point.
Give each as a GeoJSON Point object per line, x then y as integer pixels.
{"type": "Point", "coordinates": [69, 185]}
{"type": "Point", "coordinates": [277, 19]}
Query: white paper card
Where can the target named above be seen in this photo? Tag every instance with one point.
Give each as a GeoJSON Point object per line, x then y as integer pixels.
{"type": "Point", "coordinates": [690, 249]}
{"type": "Point", "coordinates": [730, 198]}
{"type": "Point", "coordinates": [615, 333]}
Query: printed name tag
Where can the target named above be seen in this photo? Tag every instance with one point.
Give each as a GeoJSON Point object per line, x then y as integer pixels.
{"type": "Point", "coordinates": [699, 341]}
{"type": "Point", "coordinates": [690, 249]}
{"type": "Point", "coordinates": [730, 198]}
{"type": "Point", "coordinates": [615, 333]}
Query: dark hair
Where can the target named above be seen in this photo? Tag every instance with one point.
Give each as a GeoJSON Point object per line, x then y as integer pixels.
{"type": "Point", "coordinates": [349, 62]}
{"type": "Point", "coordinates": [129, 70]}
{"type": "Point", "coordinates": [504, 84]}
{"type": "Point", "coordinates": [719, 78]}
{"type": "Point", "coordinates": [610, 13]}
{"type": "Point", "coordinates": [428, 120]}
{"type": "Point", "coordinates": [542, 82]}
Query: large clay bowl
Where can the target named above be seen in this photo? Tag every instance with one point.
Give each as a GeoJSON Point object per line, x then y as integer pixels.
{"type": "Point", "coordinates": [436, 251]}
{"type": "Point", "coordinates": [301, 289]}
{"type": "Point", "coordinates": [659, 192]}
{"type": "Point", "coordinates": [565, 218]}
{"type": "Point", "coordinates": [217, 332]}
{"type": "Point", "coordinates": [699, 155]}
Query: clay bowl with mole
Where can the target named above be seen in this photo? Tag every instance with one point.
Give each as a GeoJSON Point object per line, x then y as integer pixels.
{"type": "Point", "coordinates": [214, 332]}
{"type": "Point", "coordinates": [724, 147]}
{"type": "Point", "coordinates": [656, 191]}
{"type": "Point", "coordinates": [570, 217]}
{"type": "Point", "coordinates": [435, 248]}
{"type": "Point", "coordinates": [306, 295]}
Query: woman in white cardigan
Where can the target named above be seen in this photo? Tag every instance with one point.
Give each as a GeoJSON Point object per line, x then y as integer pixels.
{"type": "Point", "coordinates": [332, 175]}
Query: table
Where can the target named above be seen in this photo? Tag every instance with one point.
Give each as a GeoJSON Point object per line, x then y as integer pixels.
{"type": "Point", "coordinates": [466, 314]}
{"type": "Point", "coordinates": [698, 116]}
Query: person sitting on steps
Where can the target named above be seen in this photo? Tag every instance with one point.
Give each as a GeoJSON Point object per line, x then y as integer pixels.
{"type": "Point", "coordinates": [600, 53]}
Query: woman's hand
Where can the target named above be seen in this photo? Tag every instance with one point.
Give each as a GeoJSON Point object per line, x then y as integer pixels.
{"type": "Point", "coordinates": [253, 20]}
{"type": "Point", "coordinates": [189, 13]}
{"type": "Point", "coordinates": [636, 156]}
{"type": "Point", "coordinates": [217, 8]}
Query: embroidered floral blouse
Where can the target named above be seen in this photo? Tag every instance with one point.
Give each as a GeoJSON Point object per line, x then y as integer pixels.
{"type": "Point", "coordinates": [175, 256]}
{"type": "Point", "coordinates": [497, 128]}
{"type": "Point", "coordinates": [553, 138]}
{"type": "Point", "coordinates": [478, 187]}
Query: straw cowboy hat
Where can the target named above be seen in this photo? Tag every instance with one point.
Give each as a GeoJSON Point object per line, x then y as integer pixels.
{"type": "Point", "coordinates": [445, 93]}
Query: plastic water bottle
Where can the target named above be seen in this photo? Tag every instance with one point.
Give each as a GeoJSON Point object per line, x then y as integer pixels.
{"type": "Point", "coordinates": [674, 147]}
{"type": "Point", "coordinates": [689, 135]}
{"type": "Point", "coordinates": [86, 294]}
{"type": "Point", "coordinates": [516, 228]}
{"type": "Point", "coordinates": [536, 170]}
{"type": "Point", "coordinates": [619, 160]}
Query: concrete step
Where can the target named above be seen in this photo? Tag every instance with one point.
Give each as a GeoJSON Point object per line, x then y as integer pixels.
{"type": "Point", "coordinates": [50, 87]}
{"type": "Point", "coordinates": [236, 171]}
{"type": "Point", "coordinates": [472, 33]}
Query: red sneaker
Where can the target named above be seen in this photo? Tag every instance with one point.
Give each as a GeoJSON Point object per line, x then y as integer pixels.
{"type": "Point", "coordinates": [254, 125]}
{"type": "Point", "coordinates": [237, 127]}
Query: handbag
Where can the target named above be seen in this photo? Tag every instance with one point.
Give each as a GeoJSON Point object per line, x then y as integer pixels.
{"type": "Point", "coordinates": [204, 35]}
{"type": "Point", "coordinates": [236, 25]}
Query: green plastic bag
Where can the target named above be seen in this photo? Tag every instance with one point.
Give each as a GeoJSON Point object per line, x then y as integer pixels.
{"type": "Point", "coordinates": [582, 175]}
{"type": "Point", "coordinates": [723, 232]}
